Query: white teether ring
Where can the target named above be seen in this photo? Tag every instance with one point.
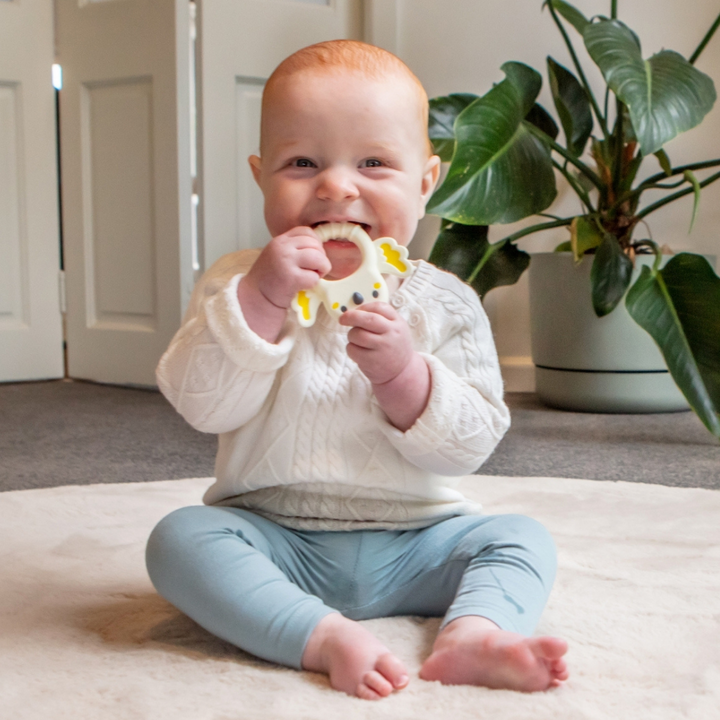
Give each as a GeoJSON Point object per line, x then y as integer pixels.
{"type": "Point", "coordinates": [366, 284]}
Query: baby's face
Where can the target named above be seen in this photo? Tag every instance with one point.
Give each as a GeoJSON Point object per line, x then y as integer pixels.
{"type": "Point", "coordinates": [340, 147]}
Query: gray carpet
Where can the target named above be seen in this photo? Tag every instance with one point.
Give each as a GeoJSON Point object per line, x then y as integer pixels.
{"type": "Point", "coordinates": [60, 433]}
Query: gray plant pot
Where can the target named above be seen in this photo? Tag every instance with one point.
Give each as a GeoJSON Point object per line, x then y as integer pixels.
{"type": "Point", "coordinates": [586, 363]}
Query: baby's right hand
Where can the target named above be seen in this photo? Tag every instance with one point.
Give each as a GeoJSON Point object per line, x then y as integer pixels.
{"type": "Point", "coordinates": [289, 263]}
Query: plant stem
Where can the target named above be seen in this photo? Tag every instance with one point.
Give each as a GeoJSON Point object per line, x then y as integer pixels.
{"type": "Point", "coordinates": [670, 198]}
{"type": "Point", "coordinates": [535, 228]}
{"type": "Point", "coordinates": [656, 250]}
{"type": "Point", "coordinates": [584, 169]}
{"type": "Point", "coordinates": [680, 170]}
{"type": "Point", "coordinates": [607, 100]}
{"type": "Point", "coordinates": [492, 249]}
{"type": "Point", "coordinates": [575, 186]}
{"type": "Point", "coordinates": [660, 186]}
{"type": "Point", "coordinates": [578, 67]}
{"type": "Point", "coordinates": [613, 9]}
{"type": "Point", "coordinates": [618, 132]}
{"type": "Point", "coordinates": [705, 41]}
{"type": "Point", "coordinates": [651, 182]}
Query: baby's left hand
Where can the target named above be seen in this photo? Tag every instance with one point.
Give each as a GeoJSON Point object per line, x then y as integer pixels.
{"type": "Point", "coordinates": [379, 341]}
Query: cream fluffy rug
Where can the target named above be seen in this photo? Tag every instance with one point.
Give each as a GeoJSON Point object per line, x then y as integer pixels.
{"type": "Point", "coordinates": [84, 636]}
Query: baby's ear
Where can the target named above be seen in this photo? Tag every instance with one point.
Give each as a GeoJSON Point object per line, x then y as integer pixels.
{"type": "Point", "coordinates": [431, 173]}
{"type": "Point", "coordinates": [255, 165]}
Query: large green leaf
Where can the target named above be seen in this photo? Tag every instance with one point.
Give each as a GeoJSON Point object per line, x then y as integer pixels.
{"type": "Point", "coordinates": [572, 105]}
{"type": "Point", "coordinates": [500, 171]}
{"type": "Point", "coordinates": [443, 112]}
{"type": "Point", "coordinates": [459, 249]}
{"type": "Point", "coordinates": [665, 95]}
{"type": "Point", "coordinates": [680, 307]}
{"type": "Point", "coordinates": [571, 14]}
{"type": "Point", "coordinates": [527, 82]}
{"type": "Point", "coordinates": [609, 276]}
{"type": "Point", "coordinates": [584, 235]}
{"type": "Point", "coordinates": [543, 120]}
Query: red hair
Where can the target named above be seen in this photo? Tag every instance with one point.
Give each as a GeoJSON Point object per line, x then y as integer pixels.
{"type": "Point", "coordinates": [348, 55]}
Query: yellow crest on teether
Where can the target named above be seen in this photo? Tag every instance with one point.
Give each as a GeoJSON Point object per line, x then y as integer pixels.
{"type": "Point", "coordinates": [366, 284]}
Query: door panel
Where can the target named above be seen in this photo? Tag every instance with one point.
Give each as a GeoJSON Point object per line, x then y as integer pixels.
{"type": "Point", "coordinates": [126, 184]}
{"type": "Point", "coordinates": [13, 292]}
{"type": "Point", "coordinates": [30, 319]}
{"type": "Point", "coordinates": [120, 248]}
{"type": "Point", "coordinates": [241, 42]}
{"type": "Point", "coordinates": [249, 200]}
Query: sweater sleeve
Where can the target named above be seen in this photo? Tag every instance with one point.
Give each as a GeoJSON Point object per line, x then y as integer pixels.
{"type": "Point", "coordinates": [217, 372]}
{"type": "Point", "coordinates": [465, 417]}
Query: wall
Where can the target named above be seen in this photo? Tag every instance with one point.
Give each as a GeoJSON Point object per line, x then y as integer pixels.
{"type": "Point", "coordinates": [458, 46]}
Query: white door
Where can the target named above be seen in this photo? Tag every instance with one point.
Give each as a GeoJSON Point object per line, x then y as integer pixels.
{"type": "Point", "coordinates": [126, 190]}
{"type": "Point", "coordinates": [240, 44]}
{"type": "Point", "coordinates": [30, 319]}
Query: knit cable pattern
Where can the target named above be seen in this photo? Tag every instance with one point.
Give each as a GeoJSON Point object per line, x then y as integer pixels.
{"type": "Point", "coordinates": [303, 440]}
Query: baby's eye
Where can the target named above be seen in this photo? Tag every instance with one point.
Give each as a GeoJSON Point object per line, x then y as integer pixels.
{"type": "Point", "coordinates": [304, 162]}
{"type": "Point", "coordinates": [372, 162]}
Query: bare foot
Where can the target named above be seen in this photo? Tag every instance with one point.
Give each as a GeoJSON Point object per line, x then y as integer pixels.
{"type": "Point", "coordinates": [356, 661]}
{"type": "Point", "coordinates": [474, 651]}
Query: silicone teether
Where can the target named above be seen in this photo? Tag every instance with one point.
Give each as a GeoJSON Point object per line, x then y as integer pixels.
{"type": "Point", "coordinates": [366, 284]}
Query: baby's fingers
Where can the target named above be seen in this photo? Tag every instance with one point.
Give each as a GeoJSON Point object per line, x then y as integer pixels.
{"type": "Point", "coordinates": [365, 339]}
{"type": "Point", "coordinates": [374, 317]}
{"type": "Point", "coordinates": [313, 259]}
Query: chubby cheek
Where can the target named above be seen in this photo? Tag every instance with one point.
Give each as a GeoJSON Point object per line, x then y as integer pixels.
{"type": "Point", "coordinates": [399, 215]}
{"type": "Point", "coordinates": [276, 222]}
{"type": "Point", "coordinates": [282, 212]}
{"type": "Point", "coordinates": [400, 225]}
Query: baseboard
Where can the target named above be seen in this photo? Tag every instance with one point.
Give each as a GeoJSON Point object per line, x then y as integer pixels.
{"type": "Point", "coordinates": [518, 373]}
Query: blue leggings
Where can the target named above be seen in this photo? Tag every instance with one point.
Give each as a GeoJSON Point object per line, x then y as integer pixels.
{"type": "Point", "coordinates": [264, 587]}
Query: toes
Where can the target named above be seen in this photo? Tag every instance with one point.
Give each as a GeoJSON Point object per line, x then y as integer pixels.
{"type": "Point", "coordinates": [550, 648]}
{"type": "Point", "coordinates": [559, 669]}
{"type": "Point", "coordinates": [389, 674]}
{"type": "Point", "coordinates": [377, 683]}
{"type": "Point", "coordinates": [393, 670]}
{"type": "Point", "coordinates": [365, 693]}
{"type": "Point", "coordinates": [429, 669]}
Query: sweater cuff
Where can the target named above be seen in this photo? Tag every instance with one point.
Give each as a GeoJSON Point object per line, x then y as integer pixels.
{"type": "Point", "coordinates": [239, 343]}
{"type": "Point", "coordinates": [435, 423]}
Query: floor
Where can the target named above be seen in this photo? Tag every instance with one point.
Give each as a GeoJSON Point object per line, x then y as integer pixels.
{"type": "Point", "coordinates": [65, 432]}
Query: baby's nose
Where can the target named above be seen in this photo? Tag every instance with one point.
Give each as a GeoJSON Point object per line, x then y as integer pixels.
{"type": "Point", "coordinates": [337, 184]}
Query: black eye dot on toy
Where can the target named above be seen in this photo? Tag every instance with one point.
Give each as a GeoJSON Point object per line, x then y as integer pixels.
{"type": "Point", "coordinates": [343, 309]}
{"type": "Point", "coordinates": [357, 298]}
{"type": "Point", "coordinates": [375, 293]}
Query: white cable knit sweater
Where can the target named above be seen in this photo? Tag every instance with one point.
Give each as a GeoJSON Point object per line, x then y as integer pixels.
{"type": "Point", "coordinates": [303, 441]}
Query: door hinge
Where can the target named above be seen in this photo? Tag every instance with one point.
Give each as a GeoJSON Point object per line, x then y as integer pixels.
{"type": "Point", "coordinates": [61, 287]}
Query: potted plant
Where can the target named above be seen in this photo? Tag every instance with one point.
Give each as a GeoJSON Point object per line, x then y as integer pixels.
{"type": "Point", "coordinates": [504, 152]}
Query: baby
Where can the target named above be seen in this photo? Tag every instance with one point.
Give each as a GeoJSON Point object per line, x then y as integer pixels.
{"type": "Point", "coordinates": [339, 443]}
